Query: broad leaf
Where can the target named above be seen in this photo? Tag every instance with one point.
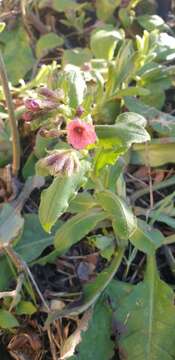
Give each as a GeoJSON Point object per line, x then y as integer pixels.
{"type": "Point", "coordinates": [123, 220]}
{"type": "Point", "coordinates": [96, 342]}
{"type": "Point", "coordinates": [30, 247]}
{"type": "Point", "coordinates": [76, 56]}
{"type": "Point", "coordinates": [161, 122]}
{"type": "Point", "coordinates": [128, 129]}
{"type": "Point", "coordinates": [76, 228]}
{"type": "Point", "coordinates": [48, 42]}
{"type": "Point", "coordinates": [151, 22]}
{"type": "Point", "coordinates": [7, 320]}
{"type": "Point", "coordinates": [73, 84]}
{"type": "Point", "coordinates": [148, 314]}
{"type": "Point", "coordinates": [25, 308]}
{"type": "Point", "coordinates": [160, 152]}
{"type": "Point", "coordinates": [103, 42]}
{"type": "Point", "coordinates": [106, 8]}
{"type": "Point", "coordinates": [82, 202]}
{"type": "Point", "coordinates": [56, 198]}
{"type": "Point", "coordinates": [146, 239]}
{"type": "Point", "coordinates": [13, 40]}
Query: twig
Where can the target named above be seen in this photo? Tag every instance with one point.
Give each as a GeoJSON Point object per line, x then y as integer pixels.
{"type": "Point", "coordinates": [12, 120]}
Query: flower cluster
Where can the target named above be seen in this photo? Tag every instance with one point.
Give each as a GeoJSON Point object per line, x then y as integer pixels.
{"type": "Point", "coordinates": [60, 162]}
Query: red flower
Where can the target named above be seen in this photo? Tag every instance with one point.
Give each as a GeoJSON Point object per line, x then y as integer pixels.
{"type": "Point", "coordinates": [80, 134]}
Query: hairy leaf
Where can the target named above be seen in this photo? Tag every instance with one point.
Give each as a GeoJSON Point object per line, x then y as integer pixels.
{"type": "Point", "coordinates": [146, 239]}
{"type": "Point", "coordinates": [55, 199]}
{"type": "Point", "coordinates": [123, 220]}
{"type": "Point", "coordinates": [148, 314]}
{"type": "Point", "coordinates": [96, 341]}
{"type": "Point", "coordinates": [76, 228]}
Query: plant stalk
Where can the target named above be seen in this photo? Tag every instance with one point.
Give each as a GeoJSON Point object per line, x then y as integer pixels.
{"type": "Point", "coordinates": [12, 119]}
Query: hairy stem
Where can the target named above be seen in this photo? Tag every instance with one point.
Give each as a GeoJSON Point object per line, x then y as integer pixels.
{"type": "Point", "coordinates": [12, 119]}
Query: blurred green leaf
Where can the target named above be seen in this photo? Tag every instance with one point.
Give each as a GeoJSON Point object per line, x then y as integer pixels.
{"type": "Point", "coordinates": [103, 42]}
{"type": "Point", "coordinates": [106, 8]}
{"type": "Point", "coordinates": [151, 22]}
{"type": "Point", "coordinates": [23, 58]}
{"type": "Point", "coordinates": [2, 26]}
{"type": "Point", "coordinates": [25, 308]}
{"type": "Point", "coordinates": [76, 56]}
{"type": "Point", "coordinates": [48, 42]}
{"type": "Point", "coordinates": [7, 320]}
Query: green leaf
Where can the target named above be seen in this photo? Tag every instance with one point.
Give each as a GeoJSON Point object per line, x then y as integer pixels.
{"type": "Point", "coordinates": [161, 122]}
{"type": "Point", "coordinates": [160, 151]}
{"type": "Point", "coordinates": [73, 84]}
{"type": "Point", "coordinates": [30, 247]}
{"type": "Point", "coordinates": [123, 220]}
{"type": "Point", "coordinates": [48, 42]}
{"type": "Point", "coordinates": [106, 8]}
{"type": "Point", "coordinates": [97, 344]}
{"type": "Point", "coordinates": [7, 320]}
{"type": "Point", "coordinates": [146, 239]}
{"type": "Point", "coordinates": [128, 129]}
{"type": "Point", "coordinates": [25, 308]}
{"type": "Point", "coordinates": [63, 5]}
{"type": "Point", "coordinates": [82, 202]}
{"type": "Point", "coordinates": [149, 317]}
{"type": "Point", "coordinates": [6, 270]}
{"type": "Point", "coordinates": [131, 128]}
{"type": "Point", "coordinates": [55, 200]}
{"type": "Point", "coordinates": [76, 56]}
{"type": "Point", "coordinates": [92, 291]}
{"type": "Point", "coordinates": [76, 228]}
{"type": "Point", "coordinates": [107, 156]}
{"type": "Point", "coordinates": [23, 58]}
{"type": "Point", "coordinates": [2, 26]}
{"type": "Point", "coordinates": [105, 244]}
{"type": "Point", "coordinates": [123, 69]}
{"type": "Point", "coordinates": [29, 166]}
{"type": "Point", "coordinates": [103, 42]}
{"type": "Point", "coordinates": [11, 224]}
{"type": "Point", "coordinates": [42, 144]}
{"type": "Point", "coordinates": [151, 22]}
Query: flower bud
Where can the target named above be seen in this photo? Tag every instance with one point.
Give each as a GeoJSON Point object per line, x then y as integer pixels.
{"type": "Point", "coordinates": [32, 105]}
{"type": "Point", "coordinates": [79, 111]}
{"type": "Point", "coordinates": [60, 162]}
{"type": "Point", "coordinates": [57, 95]}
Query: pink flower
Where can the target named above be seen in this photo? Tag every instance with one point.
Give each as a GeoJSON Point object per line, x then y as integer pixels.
{"type": "Point", "coordinates": [80, 134]}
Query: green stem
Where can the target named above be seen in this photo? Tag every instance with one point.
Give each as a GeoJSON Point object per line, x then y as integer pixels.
{"type": "Point", "coordinates": [12, 120]}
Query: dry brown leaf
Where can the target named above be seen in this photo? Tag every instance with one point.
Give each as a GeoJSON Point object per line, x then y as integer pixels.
{"type": "Point", "coordinates": [68, 347]}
